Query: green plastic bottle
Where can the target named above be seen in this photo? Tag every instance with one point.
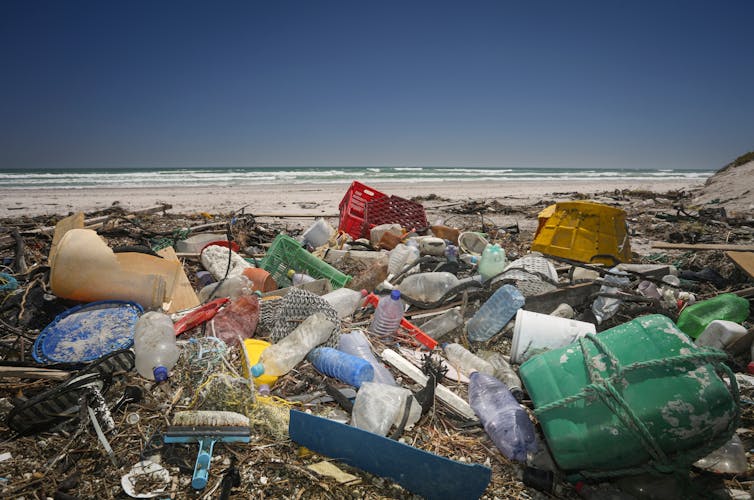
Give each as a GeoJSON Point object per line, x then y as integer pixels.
{"type": "Point", "coordinates": [695, 318]}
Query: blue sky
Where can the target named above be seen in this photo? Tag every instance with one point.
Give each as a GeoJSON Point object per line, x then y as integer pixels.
{"type": "Point", "coordinates": [613, 84]}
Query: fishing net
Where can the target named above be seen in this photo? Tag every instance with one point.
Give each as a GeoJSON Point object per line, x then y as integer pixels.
{"type": "Point", "coordinates": [224, 392]}
{"type": "Point", "coordinates": [295, 307]}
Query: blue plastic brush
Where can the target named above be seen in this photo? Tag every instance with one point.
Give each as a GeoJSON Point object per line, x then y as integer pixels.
{"type": "Point", "coordinates": [207, 428]}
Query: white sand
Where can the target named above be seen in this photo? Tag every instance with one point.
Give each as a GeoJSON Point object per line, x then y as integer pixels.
{"type": "Point", "coordinates": [301, 198]}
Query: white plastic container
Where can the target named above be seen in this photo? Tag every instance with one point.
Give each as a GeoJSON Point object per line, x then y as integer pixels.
{"type": "Point", "coordinates": [535, 333]}
{"type": "Point", "coordinates": [720, 334]}
{"type": "Point", "coordinates": [492, 262]}
{"type": "Point", "coordinates": [154, 345]}
{"type": "Point", "coordinates": [318, 233]}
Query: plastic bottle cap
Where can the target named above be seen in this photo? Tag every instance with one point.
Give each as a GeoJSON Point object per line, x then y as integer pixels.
{"type": "Point", "coordinates": [160, 374]}
{"type": "Point", "coordinates": [257, 370]}
{"type": "Point", "coordinates": [444, 345]}
{"type": "Point", "coordinates": [395, 294]}
{"type": "Point", "coordinates": [364, 292]}
{"type": "Point", "coordinates": [290, 273]}
{"type": "Point", "coordinates": [750, 368]}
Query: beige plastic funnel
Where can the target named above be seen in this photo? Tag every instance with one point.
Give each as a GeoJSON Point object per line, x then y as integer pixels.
{"type": "Point", "coordinates": [84, 268]}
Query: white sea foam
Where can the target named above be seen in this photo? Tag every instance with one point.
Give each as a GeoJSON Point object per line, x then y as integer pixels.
{"type": "Point", "coordinates": [187, 177]}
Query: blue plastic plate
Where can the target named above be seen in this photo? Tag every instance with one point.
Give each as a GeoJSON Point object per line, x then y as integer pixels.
{"type": "Point", "coordinates": [88, 332]}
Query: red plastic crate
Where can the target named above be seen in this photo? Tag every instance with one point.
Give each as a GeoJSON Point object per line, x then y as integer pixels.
{"type": "Point", "coordinates": [353, 208]}
{"type": "Point", "coordinates": [394, 210]}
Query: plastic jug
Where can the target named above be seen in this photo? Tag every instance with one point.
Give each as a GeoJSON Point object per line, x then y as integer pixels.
{"type": "Point", "coordinates": [379, 406]}
{"type": "Point", "coordinates": [695, 318]}
{"type": "Point", "coordinates": [154, 345]}
{"type": "Point", "coordinates": [492, 261]}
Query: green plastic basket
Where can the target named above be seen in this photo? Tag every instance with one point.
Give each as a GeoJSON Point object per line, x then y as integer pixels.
{"type": "Point", "coordinates": [286, 254]}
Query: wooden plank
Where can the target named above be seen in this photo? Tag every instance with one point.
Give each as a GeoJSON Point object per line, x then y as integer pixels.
{"type": "Point", "coordinates": [35, 373]}
{"type": "Point", "coordinates": [702, 246]}
{"type": "Point", "coordinates": [184, 296]}
{"type": "Point", "coordinates": [744, 261]}
{"type": "Point", "coordinates": [99, 221]}
{"type": "Point", "coordinates": [450, 398]}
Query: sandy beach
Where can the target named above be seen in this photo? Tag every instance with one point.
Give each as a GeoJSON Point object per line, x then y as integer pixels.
{"type": "Point", "coordinates": [298, 198]}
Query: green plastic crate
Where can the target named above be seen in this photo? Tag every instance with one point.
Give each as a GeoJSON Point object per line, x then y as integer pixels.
{"type": "Point", "coordinates": [286, 254]}
{"type": "Point", "coordinates": [646, 398]}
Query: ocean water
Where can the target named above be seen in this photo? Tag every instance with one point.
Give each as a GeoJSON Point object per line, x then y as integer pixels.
{"type": "Point", "coordinates": [221, 176]}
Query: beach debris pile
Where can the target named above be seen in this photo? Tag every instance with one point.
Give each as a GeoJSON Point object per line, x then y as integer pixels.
{"type": "Point", "coordinates": [404, 350]}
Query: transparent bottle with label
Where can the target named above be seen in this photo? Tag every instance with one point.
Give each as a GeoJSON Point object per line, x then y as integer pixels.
{"type": "Point", "coordinates": [387, 315]}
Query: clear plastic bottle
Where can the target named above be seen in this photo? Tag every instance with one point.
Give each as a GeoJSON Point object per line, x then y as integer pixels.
{"type": "Point", "coordinates": [357, 344]}
{"type": "Point", "coordinates": [428, 287]}
{"type": "Point", "coordinates": [443, 324]}
{"type": "Point", "coordinates": [349, 369]}
{"type": "Point", "coordinates": [504, 419]}
{"type": "Point", "coordinates": [387, 315]}
{"type": "Point", "coordinates": [465, 361]}
{"type": "Point", "coordinates": [378, 406]}
{"type": "Point", "coordinates": [401, 256]}
{"type": "Point", "coordinates": [280, 358]}
{"type": "Point", "coordinates": [231, 287]}
{"type": "Point", "coordinates": [695, 318]}
{"type": "Point", "coordinates": [154, 345]}
{"type": "Point", "coordinates": [237, 320]}
{"type": "Point", "coordinates": [495, 313]}
{"type": "Point", "coordinates": [492, 261]}
{"type": "Point", "coordinates": [299, 278]}
{"type": "Point", "coordinates": [345, 301]}
{"type": "Point", "coordinates": [504, 372]}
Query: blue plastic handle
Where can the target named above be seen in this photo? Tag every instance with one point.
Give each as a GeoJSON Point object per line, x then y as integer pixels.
{"type": "Point", "coordinates": [203, 458]}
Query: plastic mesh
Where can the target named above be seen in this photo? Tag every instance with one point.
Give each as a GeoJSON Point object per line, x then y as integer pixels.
{"type": "Point", "coordinates": [295, 307]}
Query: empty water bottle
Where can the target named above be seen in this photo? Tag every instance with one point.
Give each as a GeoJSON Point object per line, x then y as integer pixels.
{"type": "Point", "coordinates": [465, 361]}
{"type": "Point", "coordinates": [503, 418]}
{"type": "Point", "coordinates": [443, 324]}
{"type": "Point", "coordinates": [349, 369]}
{"type": "Point", "coordinates": [387, 315]}
{"type": "Point", "coordinates": [280, 358]}
{"type": "Point", "coordinates": [345, 301]}
{"type": "Point", "coordinates": [428, 287]}
{"type": "Point", "coordinates": [357, 344]}
{"type": "Point", "coordinates": [495, 313]}
{"type": "Point", "coordinates": [504, 372]}
{"type": "Point", "coordinates": [154, 346]}
{"type": "Point", "coordinates": [401, 256]}
{"type": "Point", "coordinates": [230, 287]}
{"type": "Point", "coordinates": [299, 278]}
{"type": "Point", "coordinates": [492, 261]}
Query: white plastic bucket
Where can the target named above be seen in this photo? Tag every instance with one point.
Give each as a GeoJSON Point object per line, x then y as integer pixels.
{"type": "Point", "coordinates": [535, 333]}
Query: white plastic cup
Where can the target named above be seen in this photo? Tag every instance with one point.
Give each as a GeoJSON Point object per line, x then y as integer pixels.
{"type": "Point", "coordinates": [535, 333]}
